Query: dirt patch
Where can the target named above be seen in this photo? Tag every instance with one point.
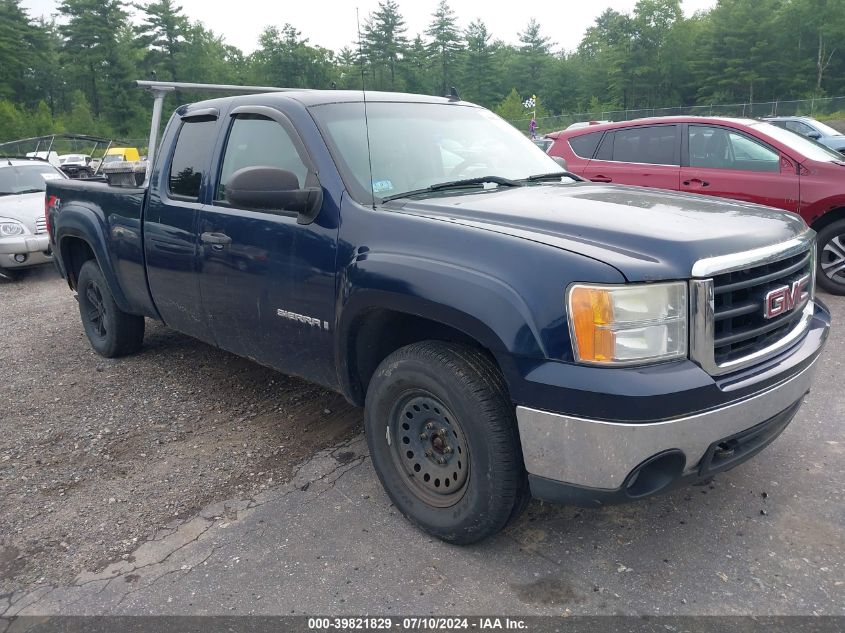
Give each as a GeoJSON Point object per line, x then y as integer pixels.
{"type": "Point", "coordinates": [96, 455]}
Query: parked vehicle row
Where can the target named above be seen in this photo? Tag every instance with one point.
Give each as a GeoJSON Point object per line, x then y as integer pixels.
{"type": "Point", "coordinates": [23, 228]}
{"type": "Point", "coordinates": [510, 329]}
{"type": "Point", "coordinates": [809, 127]}
{"type": "Point", "coordinates": [743, 159]}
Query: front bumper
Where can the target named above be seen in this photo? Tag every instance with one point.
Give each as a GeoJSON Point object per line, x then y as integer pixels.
{"type": "Point", "coordinates": [35, 249]}
{"type": "Point", "coordinates": [588, 461]}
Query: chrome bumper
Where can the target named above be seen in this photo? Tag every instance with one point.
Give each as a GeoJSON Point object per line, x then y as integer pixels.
{"type": "Point", "coordinates": [600, 454]}
{"type": "Point", "coordinates": [24, 244]}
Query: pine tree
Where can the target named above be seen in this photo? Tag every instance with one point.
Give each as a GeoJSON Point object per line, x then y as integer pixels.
{"type": "Point", "coordinates": [97, 37]}
{"type": "Point", "coordinates": [478, 68]}
{"type": "Point", "coordinates": [384, 42]}
{"type": "Point", "coordinates": [16, 50]}
{"type": "Point", "coordinates": [162, 34]}
{"type": "Point", "coordinates": [445, 43]}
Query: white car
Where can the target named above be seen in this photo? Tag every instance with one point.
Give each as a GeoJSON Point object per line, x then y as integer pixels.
{"type": "Point", "coordinates": [23, 229]}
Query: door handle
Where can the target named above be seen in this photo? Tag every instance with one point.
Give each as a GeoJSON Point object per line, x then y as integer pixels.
{"type": "Point", "coordinates": [696, 181]}
{"type": "Point", "coordinates": [601, 179]}
{"type": "Point", "coordinates": [219, 239]}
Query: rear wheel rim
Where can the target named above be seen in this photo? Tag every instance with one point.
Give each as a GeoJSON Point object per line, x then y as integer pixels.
{"type": "Point", "coordinates": [832, 259]}
{"type": "Point", "coordinates": [96, 310]}
{"type": "Point", "coordinates": [429, 448]}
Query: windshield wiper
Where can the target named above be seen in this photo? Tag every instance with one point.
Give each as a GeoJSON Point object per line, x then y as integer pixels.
{"type": "Point", "coordinates": [457, 184]}
{"type": "Point", "coordinates": [555, 175]}
{"type": "Point", "coordinates": [22, 191]}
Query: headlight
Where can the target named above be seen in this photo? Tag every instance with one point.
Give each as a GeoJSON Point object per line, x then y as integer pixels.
{"type": "Point", "coordinates": [623, 325]}
{"type": "Point", "coordinates": [10, 228]}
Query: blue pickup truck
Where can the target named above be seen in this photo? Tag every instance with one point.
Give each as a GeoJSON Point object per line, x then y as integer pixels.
{"type": "Point", "coordinates": [510, 330]}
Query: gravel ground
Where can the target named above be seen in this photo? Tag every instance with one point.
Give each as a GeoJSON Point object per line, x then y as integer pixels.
{"type": "Point", "coordinates": [96, 454]}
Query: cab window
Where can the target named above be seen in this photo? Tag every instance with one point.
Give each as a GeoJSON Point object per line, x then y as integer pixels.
{"type": "Point", "coordinates": [190, 158]}
{"type": "Point", "coordinates": [257, 141]}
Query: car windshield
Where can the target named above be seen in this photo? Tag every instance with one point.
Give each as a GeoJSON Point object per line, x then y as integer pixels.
{"type": "Point", "coordinates": [18, 179]}
{"type": "Point", "coordinates": [826, 130]}
{"type": "Point", "coordinates": [801, 144]}
{"type": "Point", "coordinates": [113, 158]}
{"type": "Point", "coordinates": [416, 145]}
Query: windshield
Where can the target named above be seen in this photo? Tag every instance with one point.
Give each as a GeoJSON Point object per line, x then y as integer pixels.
{"type": "Point", "coordinates": [826, 130]}
{"type": "Point", "coordinates": [416, 145]}
{"type": "Point", "coordinates": [801, 144]}
{"type": "Point", "coordinates": [17, 179]}
{"type": "Point", "coordinates": [113, 158]}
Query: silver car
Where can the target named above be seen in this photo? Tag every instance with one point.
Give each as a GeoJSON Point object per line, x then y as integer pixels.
{"type": "Point", "coordinates": [23, 230]}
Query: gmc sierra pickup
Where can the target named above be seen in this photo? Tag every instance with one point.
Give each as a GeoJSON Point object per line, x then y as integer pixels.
{"type": "Point", "coordinates": [509, 329]}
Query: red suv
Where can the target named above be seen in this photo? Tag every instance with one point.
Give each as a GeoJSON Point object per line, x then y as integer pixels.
{"type": "Point", "coordinates": [742, 159]}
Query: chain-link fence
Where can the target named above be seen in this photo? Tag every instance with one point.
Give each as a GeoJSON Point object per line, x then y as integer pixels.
{"type": "Point", "coordinates": [820, 108]}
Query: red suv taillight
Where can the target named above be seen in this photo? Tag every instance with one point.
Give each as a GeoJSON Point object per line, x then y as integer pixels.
{"type": "Point", "coordinates": [49, 203]}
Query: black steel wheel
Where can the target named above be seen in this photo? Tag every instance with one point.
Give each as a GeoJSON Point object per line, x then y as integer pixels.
{"type": "Point", "coordinates": [429, 446]}
{"type": "Point", "coordinates": [443, 439]}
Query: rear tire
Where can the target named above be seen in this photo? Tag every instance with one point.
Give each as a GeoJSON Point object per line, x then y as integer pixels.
{"type": "Point", "coordinates": [444, 441]}
{"type": "Point", "coordinates": [830, 270]}
{"type": "Point", "coordinates": [111, 331]}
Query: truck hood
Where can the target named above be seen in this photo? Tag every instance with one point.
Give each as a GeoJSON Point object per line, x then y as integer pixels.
{"type": "Point", "coordinates": [646, 234]}
{"type": "Point", "coordinates": [25, 208]}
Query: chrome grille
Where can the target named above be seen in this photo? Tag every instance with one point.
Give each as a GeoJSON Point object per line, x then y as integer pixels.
{"type": "Point", "coordinates": [729, 330]}
{"type": "Point", "coordinates": [40, 226]}
{"type": "Point", "coordinates": [739, 327]}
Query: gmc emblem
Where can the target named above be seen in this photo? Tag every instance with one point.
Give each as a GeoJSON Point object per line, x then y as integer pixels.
{"type": "Point", "coordinates": [782, 300]}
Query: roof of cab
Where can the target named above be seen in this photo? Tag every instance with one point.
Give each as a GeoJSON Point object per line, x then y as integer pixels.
{"type": "Point", "coordinates": [310, 98]}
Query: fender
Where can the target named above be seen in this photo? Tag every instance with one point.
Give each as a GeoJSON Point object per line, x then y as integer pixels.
{"type": "Point", "coordinates": [85, 222]}
{"type": "Point", "coordinates": [815, 212]}
{"type": "Point", "coordinates": [473, 302]}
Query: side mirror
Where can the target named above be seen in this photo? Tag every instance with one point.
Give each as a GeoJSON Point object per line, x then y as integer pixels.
{"type": "Point", "coordinates": [814, 135]}
{"type": "Point", "coordinates": [559, 161]}
{"type": "Point", "coordinates": [273, 190]}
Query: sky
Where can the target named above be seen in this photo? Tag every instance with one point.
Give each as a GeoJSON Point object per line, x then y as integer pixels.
{"type": "Point", "coordinates": [331, 23]}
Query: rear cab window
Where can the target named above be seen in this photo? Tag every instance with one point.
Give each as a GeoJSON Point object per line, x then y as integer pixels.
{"type": "Point", "coordinates": [190, 160]}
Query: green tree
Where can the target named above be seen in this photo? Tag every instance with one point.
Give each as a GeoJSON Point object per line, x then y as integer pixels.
{"type": "Point", "coordinates": [286, 59]}
{"type": "Point", "coordinates": [384, 43]}
{"type": "Point", "coordinates": [80, 119]}
{"type": "Point", "coordinates": [12, 123]}
{"type": "Point", "coordinates": [96, 54]}
{"type": "Point", "coordinates": [18, 51]}
{"type": "Point", "coordinates": [534, 58]}
{"type": "Point", "coordinates": [478, 68]}
{"type": "Point", "coordinates": [445, 44]}
{"type": "Point", "coordinates": [163, 35]}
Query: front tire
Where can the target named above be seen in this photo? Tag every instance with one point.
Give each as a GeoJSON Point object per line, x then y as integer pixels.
{"type": "Point", "coordinates": [111, 331]}
{"type": "Point", "coordinates": [444, 440]}
{"type": "Point", "coordinates": [830, 272]}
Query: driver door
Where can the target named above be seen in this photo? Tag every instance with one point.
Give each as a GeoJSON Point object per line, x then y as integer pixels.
{"type": "Point", "coordinates": [267, 283]}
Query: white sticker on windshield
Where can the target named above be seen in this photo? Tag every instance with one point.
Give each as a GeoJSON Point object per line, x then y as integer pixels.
{"type": "Point", "coordinates": [50, 176]}
{"type": "Point", "coordinates": [380, 186]}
